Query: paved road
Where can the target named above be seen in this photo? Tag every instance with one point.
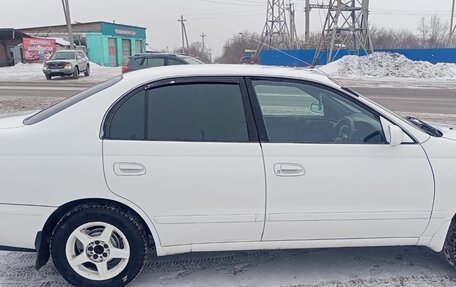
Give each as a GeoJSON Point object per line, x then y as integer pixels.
{"type": "Point", "coordinates": [439, 101]}
{"type": "Point", "coordinates": [436, 101]}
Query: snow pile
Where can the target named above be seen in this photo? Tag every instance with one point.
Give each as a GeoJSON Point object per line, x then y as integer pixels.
{"type": "Point", "coordinates": [390, 65]}
{"type": "Point", "coordinates": [34, 72]}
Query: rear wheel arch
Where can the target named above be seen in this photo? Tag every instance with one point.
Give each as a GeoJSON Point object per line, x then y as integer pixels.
{"type": "Point", "coordinates": [43, 240]}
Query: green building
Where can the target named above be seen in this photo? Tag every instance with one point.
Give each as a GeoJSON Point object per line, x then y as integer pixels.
{"type": "Point", "coordinates": [107, 44]}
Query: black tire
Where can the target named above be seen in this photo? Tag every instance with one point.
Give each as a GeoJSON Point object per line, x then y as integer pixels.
{"type": "Point", "coordinates": [449, 248]}
{"type": "Point", "coordinates": [76, 73]}
{"type": "Point", "coordinates": [48, 77]}
{"type": "Point", "coordinates": [87, 71]}
{"type": "Point", "coordinates": [127, 223]}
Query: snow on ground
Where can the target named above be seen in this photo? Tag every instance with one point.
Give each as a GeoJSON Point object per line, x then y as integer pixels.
{"type": "Point", "coordinates": [34, 72]}
{"type": "Point", "coordinates": [346, 267]}
{"type": "Point", "coordinates": [388, 65]}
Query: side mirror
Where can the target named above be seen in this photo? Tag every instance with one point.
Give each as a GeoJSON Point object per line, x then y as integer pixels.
{"type": "Point", "coordinates": [396, 135]}
{"type": "Point", "coordinates": [317, 108]}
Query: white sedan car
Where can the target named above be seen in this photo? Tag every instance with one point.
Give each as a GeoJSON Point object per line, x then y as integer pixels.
{"type": "Point", "coordinates": [214, 158]}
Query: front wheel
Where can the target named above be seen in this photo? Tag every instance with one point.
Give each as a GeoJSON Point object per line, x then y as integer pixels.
{"type": "Point", "coordinates": [97, 245]}
{"type": "Point", "coordinates": [449, 249]}
{"type": "Point", "coordinates": [76, 73]}
{"type": "Point", "coordinates": [87, 71]}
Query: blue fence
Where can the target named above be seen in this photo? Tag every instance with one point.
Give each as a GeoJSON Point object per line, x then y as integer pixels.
{"type": "Point", "coordinates": [300, 58]}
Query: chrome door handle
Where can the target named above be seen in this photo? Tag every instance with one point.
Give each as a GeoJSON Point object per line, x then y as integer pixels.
{"type": "Point", "coordinates": [289, 169]}
{"type": "Point", "coordinates": [129, 169]}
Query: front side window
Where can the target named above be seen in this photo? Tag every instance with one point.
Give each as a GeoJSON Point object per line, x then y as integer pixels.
{"type": "Point", "coordinates": [206, 112]}
{"type": "Point", "coordinates": [296, 112]}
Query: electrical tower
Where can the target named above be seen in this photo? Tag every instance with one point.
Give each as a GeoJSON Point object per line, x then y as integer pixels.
{"type": "Point", "coordinates": [346, 27]}
{"type": "Point", "coordinates": [275, 32]}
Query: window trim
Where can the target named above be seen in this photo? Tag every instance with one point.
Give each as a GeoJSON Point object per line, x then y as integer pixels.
{"type": "Point", "coordinates": [249, 117]}
{"type": "Point", "coordinates": [258, 114]}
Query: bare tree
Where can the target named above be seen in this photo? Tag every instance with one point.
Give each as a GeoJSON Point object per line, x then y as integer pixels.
{"type": "Point", "coordinates": [437, 33]}
{"type": "Point", "coordinates": [423, 29]}
{"type": "Point", "coordinates": [389, 38]}
{"type": "Point", "coordinates": [234, 48]}
{"type": "Point", "coordinates": [195, 49]}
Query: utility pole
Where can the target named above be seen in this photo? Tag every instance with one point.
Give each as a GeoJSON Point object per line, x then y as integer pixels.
{"type": "Point", "coordinates": [452, 27]}
{"type": "Point", "coordinates": [293, 32]}
{"type": "Point", "coordinates": [185, 48]}
{"type": "Point", "coordinates": [202, 42]}
{"type": "Point", "coordinates": [307, 29]}
{"type": "Point", "coordinates": [210, 55]}
{"type": "Point", "coordinates": [66, 10]}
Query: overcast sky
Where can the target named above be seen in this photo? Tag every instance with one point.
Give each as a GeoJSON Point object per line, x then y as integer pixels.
{"type": "Point", "coordinates": [219, 19]}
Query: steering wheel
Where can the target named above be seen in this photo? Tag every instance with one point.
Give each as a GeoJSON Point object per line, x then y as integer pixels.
{"type": "Point", "coordinates": [344, 130]}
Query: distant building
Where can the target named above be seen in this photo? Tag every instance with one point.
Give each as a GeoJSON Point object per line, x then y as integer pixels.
{"type": "Point", "coordinates": [9, 39]}
{"type": "Point", "coordinates": [107, 44]}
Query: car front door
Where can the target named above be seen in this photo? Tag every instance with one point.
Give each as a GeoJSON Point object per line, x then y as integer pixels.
{"type": "Point", "coordinates": [186, 152]}
{"type": "Point", "coordinates": [82, 61]}
{"type": "Point", "coordinates": [331, 173]}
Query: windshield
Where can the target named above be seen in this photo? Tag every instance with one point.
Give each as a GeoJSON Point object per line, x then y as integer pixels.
{"type": "Point", "coordinates": [63, 56]}
{"type": "Point", "coordinates": [192, 61]}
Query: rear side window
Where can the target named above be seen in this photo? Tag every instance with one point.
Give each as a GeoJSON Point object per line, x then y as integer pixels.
{"type": "Point", "coordinates": [139, 61]}
{"type": "Point", "coordinates": [49, 112]}
{"type": "Point", "coordinates": [173, 62]}
{"type": "Point", "coordinates": [154, 62]}
{"type": "Point", "coordinates": [206, 112]}
{"type": "Point", "coordinates": [128, 123]}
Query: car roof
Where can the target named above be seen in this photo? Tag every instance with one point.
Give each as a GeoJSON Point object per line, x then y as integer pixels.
{"type": "Point", "coordinates": [158, 54]}
{"type": "Point", "coordinates": [69, 51]}
{"type": "Point", "coordinates": [160, 73]}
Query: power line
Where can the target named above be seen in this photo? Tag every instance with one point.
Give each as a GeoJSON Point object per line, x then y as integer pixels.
{"type": "Point", "coordinates": [226, 16]}
{"type": "Point", "coordinates": [232, 4]}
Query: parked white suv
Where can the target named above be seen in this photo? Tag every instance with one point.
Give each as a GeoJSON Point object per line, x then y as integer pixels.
{"type": "Point", "coordinates": [214, 158]}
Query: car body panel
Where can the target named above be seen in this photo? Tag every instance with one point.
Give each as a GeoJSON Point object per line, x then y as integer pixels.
{"type": "Point", "coordinates": [327, 203]}
{"type": "Point", "coordinates": [59, 160]}
{"type": "Point", "coordinates": [25, 221]}
{"type": "Point", "coordinates": [186, 191]}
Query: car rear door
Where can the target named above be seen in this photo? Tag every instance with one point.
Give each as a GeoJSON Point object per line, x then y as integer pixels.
{"type": "Point", "coordinates": [186, 152]}
{"type": "Point", "coordinates": [331, 173]}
